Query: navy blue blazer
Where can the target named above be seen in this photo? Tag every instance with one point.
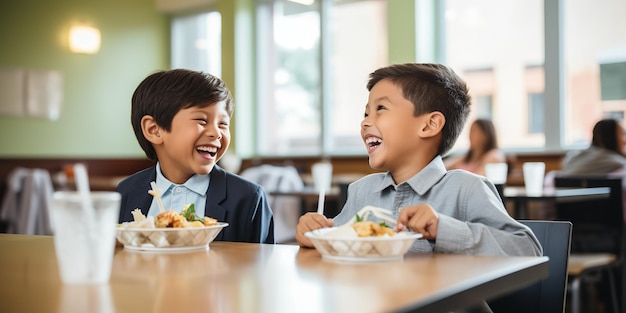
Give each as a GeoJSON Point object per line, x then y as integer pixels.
{"type": "Point", "coordinates": [230, 198]}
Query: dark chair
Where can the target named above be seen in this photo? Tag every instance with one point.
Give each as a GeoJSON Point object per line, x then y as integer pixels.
{"type": "Point", "coordinates": [597, 237]}
{"type": "Point", "coordinates": [343, 195]}
{"type": "Point", "coordinates": [500, 189]}
{"type": "Point", "coordinates": [548, 295]}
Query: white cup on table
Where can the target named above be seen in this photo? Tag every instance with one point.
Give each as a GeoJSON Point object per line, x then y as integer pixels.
{"type": "Point", "coordinates": [534, 173]}
{"type": "Point", "coordinates": [322, 173]}
{"type": "Point", "coordinates": [84, 247]}
{"type": "Point", "coordinates": [496, 172]}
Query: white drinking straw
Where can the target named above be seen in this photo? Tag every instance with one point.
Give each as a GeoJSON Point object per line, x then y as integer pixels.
{"type": "Point", "coordinates": [82, 185]}
{"type": "Point", "coordinates": [320, 201]}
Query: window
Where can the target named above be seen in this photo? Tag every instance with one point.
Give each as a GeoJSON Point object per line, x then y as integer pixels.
{"type": "Point", "coordinates": [543, 77]}
{"type": "Point", "coordinates": [196, 42]}
{"type": "Point", "coordinates": [289, 81]}
{"type": "Point", "coordinates": [491, 45]}
{"type": "Point", "coordinates": [483, 105]}
{"type": "Point", "coordinates": [313, 64]}
{"type": "Point", "coordinates": [595, 66]}
{"type": "Point", "coordinates": [357, 49]}
{"type": "Point", "coordinates": [490, 34]}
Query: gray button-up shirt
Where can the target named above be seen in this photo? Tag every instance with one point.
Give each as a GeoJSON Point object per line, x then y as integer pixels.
{"type": "Point", "coordinates": [472, 217]}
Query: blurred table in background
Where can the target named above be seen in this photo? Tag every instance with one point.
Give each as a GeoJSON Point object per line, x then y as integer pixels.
{"type": "Point", "coordinates": [309, 198]}
{"type": "Point", "coordinates": [520, 198]}
{"type": "Point", "coordinates": [96, 183]}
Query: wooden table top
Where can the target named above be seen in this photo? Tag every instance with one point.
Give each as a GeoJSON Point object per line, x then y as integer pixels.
{"type": "Point", "coordinates": [579, 262]}
{"type": "Point", "coordinates": [243, 277]}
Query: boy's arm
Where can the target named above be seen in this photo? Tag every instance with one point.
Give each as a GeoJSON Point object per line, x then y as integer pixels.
{"type": "Point", "coordinates": [488, 228]}
{"type": "Point", "coordinates": [309, 222]}
{"type": "Point", "coordinates": [456, 236]}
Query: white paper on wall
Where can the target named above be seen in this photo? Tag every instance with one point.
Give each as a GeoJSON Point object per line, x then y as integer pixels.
{"type": "Point", "coordinates": [44, 94]}
{"type": "Point", "coordinates": [33, 93]}
{"type": "Point", "coordinates": [12, 82]}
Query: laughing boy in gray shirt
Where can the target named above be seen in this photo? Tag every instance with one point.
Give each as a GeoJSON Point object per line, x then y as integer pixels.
{"type": "Point", "coordinates": [413, 116]}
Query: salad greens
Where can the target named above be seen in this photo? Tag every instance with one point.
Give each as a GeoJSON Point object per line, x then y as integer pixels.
{"type": "Point", "coordinates": [189, 213]}
{"type": "Point", "coordinates": [359, 218]}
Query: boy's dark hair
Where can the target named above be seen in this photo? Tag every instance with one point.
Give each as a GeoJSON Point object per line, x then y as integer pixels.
{"type": "Point", "coordinates": [164, 93]}
{"type": "Point", "coordinates": [431, 87]}
{"type": "Point", "coordinates": [605, 135]}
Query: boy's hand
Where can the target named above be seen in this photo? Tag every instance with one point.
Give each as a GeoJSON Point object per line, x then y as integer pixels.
{"type": "Point", "coordinates": [420, 218]}
{"type": "Point", "coordinates": [308, 222]}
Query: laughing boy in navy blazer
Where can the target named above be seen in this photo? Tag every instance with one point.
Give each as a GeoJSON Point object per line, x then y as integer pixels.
{"type": "Point", "coordinates": [181, 120]}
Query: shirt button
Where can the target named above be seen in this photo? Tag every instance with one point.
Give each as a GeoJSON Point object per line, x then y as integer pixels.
{"type": "Point", "coordinates": [178, 189]}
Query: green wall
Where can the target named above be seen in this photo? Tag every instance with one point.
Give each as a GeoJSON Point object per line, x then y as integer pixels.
{"type": "Point", "coordinates": [401, 30]}
{"type": "Point", "coordinates": [95, 114]}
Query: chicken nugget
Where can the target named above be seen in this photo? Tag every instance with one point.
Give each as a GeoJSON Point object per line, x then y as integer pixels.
{"type": "Point", "coordinates": [363, 228]}
{"type": "Point", "coordinates": [208, 221]}
{"type": "Point", "coordinates": [166, 219]}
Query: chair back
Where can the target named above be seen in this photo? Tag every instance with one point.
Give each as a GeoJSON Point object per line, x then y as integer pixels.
{"type": "Point", "coordinates": [286, 209]}
{"type": "Point", "coordinates": [25, 206]}
{"type": "Point", "coordinates": [598, 223]}
{"type": "Point", "coordinates": [548, 295]}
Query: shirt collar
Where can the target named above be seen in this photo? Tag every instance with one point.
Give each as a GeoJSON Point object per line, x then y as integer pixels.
{"type": "Point", "coordinates": [196, 183]}
{"type": "Point", "coordinates": [423, 180]}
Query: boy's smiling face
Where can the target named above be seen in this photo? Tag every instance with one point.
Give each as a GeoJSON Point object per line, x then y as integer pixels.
{"type": "Point", "coordinates": [198, 138]}
{"type": "Point", "coordinates": [393, 136]}
{"type": "Point", "coordinates": [389, 128]}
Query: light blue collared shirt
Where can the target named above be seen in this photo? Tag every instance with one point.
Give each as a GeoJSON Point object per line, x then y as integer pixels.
{"type": "Point", "coordinates": [174, 196]}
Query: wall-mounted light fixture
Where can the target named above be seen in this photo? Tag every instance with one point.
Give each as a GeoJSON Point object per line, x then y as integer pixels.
{"type": "Point", "coordinates": [84, 39]}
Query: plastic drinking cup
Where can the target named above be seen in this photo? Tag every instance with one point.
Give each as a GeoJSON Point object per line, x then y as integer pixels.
{"type": "Point", "coordinates": [496, 172]}
{"type": "Point", "coordinates": [85, 248]}
{"type": "Point", "coordinates": [322, 173]}
{"type": "Point", "coordinates": [534, 173]}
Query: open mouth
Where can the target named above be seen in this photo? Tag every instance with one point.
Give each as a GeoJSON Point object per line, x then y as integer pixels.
{"type": "Point", "coordinates": [207, 150]}
{"type": "Point", "coordinates": [373, 142]}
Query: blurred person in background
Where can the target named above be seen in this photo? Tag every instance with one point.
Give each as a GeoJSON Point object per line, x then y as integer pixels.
{"type": "Point", "coordinates": [604, 155]}
{"type": "Point", "coordinates": [483, 149]}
